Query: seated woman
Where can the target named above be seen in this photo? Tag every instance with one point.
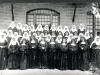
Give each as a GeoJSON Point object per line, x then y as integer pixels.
{"type": "Point", "coordinates": [3, 52]}
{"type": "Point", "coordinates": [13, 54]}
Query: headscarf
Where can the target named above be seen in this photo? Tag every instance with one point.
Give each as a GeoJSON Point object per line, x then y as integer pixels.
{"type": "Point", "coordinates": [10, 35]}
{"type": "Point", "coordinates": [16, 35]}
{"type": "Point", "coordinates": [46, 27]}
{"type": "Point", "coordinates": [73, 29]}
{"type": "Point", "coordinates": [12, 24]}
{"type": "Point", "coordinates": [32, 28]}
{"type": "Point", "coordinates": [79, 37]}
{"type": "Point", "coordinates": [25, 27]}
{"type": "Point", "coordinates": [81, 27]}
{"type": "Point", "coordinates": [39, 28]}
{"type": "Point", "coordinates": [12, 42]}
{"type": "Point", "coordinates": [70, 38]}
{"type": "Point", "coordinates": [19, 26]}
{"type": "Point", "coordinates": [59, 39]}
{"type": "Point", "coordinates": [4, 37]}
{"type": "Point", "coordinates": [65, 29]}
{"type": "Point", "coordinates": [53, 28]}
{"type": "Point", "coordinates": [25, 36]}
{"type": "Point", "coordinates": [48, 38]}
{"type": "Point", "coordinates": [87, 35]}
{"type": "Point", "coordinates": [95, 41]}
{"type": "Point", "coordinates": [59, 28]}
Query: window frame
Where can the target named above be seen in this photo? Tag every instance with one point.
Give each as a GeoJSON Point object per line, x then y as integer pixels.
{"type": "Point", "coordinates": [53, 12]}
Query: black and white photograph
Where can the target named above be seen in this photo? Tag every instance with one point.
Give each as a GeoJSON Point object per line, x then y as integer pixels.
{"type": "Point", "coordinates": [50, 38]}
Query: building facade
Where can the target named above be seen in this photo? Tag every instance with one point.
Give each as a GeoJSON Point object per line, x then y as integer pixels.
{"type": "Point", "coordinates": [49, 13]}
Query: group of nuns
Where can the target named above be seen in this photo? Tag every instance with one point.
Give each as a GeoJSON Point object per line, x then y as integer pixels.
{"type": "Point", "coordinates": [49, 47]}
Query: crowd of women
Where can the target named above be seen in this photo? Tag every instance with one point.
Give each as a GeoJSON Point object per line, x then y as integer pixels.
{"type": "Point", "coordinates": [48, 47]}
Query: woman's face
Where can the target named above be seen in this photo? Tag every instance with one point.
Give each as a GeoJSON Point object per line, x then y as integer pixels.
{"type": "Point", "coordinates": [52, 39]}
{"type": "Point", "coordinates": [13, 39]}
{"type": "Point", "coordinates": [15, 34]}
{"type": "Point", "coordinates": [97, 39]}
{"type": "Point", "coordinates": [64, 40]}
{"type": "Point", "coordinates": [2, 36]}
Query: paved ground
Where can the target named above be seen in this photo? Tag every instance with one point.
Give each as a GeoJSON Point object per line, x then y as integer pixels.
{"type": "Point", "coordinates": [43, 72]}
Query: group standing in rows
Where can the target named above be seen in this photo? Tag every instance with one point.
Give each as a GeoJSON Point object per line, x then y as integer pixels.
{"type": "Point", "coordinates": [48, 47]}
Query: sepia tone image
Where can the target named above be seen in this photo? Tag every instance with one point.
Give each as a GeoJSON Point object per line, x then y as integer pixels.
{"type": "Point", "coordinates": [54, 38]}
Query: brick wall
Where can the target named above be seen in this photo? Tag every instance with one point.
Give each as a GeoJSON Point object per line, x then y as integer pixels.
{"type": "Point", "coordinates": [66, 11]}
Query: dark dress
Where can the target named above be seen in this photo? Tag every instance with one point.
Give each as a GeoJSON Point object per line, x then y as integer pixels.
{"type": "Point", "coordinates": [83, 56]}
{"type": "Point", "coordinates": [24, 56]}
{"type": "Point", "coordinates": [58, 55]}
{"type": "Point", "coordinates": [3, 55]}
{"type": "Point", "coordinates": [95, 60]}
{"type": "Point", "coordinates": [52, 55]}
{"type": "Point", "coordinates": [72, 58]}
{"type": "Point", "coordinates": [43, 54]}
{"type": "Point", "coordinates": [79, 31]}
{"type": "Point", "coordinates": [64, 56]}
{"type": "Point", "coordinates": [90, 40]}
{"type": "Point", "coordinates": [73, 32]}
{"type": "Point", "coordinates": [13, 57]}
{"type": "Point", "coordinates": [33, 52]}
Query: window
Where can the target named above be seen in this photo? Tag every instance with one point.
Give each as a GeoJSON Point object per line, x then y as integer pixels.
{"type": "Point", "coordinates": [93, 24]}
{"type": "Point", "coordinates": [90, 22]}
{"type": "Point", "coordinates": [43, 16]}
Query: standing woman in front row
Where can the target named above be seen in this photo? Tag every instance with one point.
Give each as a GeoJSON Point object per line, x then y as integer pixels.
{"type": "Point", "coordinates": [13, 54]}
{"type": "Point", "coordinates": [52, 53]}
{"type": "Point", "coordinates": [3, 52]}
{"type": "Point", "coordinates": [95, 46]}
{"type": "Point", "coordinates": [73, 50]}
{"type": "Point", "coordinates": [64, 54]}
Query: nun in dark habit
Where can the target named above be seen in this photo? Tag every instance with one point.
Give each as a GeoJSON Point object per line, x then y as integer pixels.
{"type": "Point", "coordinates": [83, 54]}
{"type": "Point", "coordinates": [73, 49]}
{"type": "Point", "coordinates": [33, 51]}
{"type": "Point", "coordinates": [13, 54]}
{"type": "Point", "coordinates": [3, 52]}
{"type": "Point", "coordinates": [64, 54]}
{"type": "Point", "coordinates": [24, 52]}
{"type": "Point", "coordinates": [52, 54]}
{"type": "Point", "coordinates": [43, 53]}
{"type": "Point", "coordinates": [95, 46]}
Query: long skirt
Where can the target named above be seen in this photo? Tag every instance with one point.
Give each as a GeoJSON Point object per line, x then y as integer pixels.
{"type": "Point", "coordinates": [3, 58]}
{"type": "Point", "coordinates": [72, 60]}
{"type": "Point", "coordinates": [51, 60]}
{"type": "Point", "coordinates": [24, 61]}
{"type": "Point", "coordinates": [13, 61]}
{"type": "Point", "coordinates": [64, 59]}
{"type": "Point", "coordinates": [33, 58]}
{"type": "Point", "coordinates": [43, 59]}
{"type": "Point", "coordinates": [95, 60]}
{"type": "Point", "coordinates": [84, 60]}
